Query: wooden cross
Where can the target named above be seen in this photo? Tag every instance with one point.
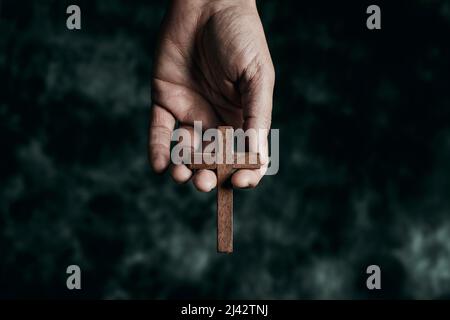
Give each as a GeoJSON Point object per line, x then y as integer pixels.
{"type": "Point", "coordinates": [225, 162]}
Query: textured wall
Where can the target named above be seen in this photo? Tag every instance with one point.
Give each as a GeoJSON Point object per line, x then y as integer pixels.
{"type": "Point", "coordinates": [365, 159]}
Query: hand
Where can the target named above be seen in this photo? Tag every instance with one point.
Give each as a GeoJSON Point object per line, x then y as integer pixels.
{"type": "Point", "coordinates": [212, 65]}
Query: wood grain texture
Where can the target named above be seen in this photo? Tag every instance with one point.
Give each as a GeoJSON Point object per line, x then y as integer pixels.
{"type": "Point", "coordinates": [246, 161]}
{"type": "Point", "coordinates": [240, 161]}
{"type": "Point", "coordinates": [200, 166]}
{"type": "Point", "coordinates": [225, 162]}
{"type": "Point", "coordinates": [224, 209]}
{"type": "Point", "coordinates": [224, 192]}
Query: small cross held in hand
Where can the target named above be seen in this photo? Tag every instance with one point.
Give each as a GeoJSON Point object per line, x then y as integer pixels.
{"type": "Point", "coordinates": [225, 162]}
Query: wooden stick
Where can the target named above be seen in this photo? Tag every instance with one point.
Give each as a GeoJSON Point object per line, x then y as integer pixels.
{"type": "Point", "coordinates": [241, 161]}
{"type": "Point", "coordinates": [225, 194]}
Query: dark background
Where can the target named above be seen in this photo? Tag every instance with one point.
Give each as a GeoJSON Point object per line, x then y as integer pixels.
{"type": "Point", "coordinates": [365, 159]}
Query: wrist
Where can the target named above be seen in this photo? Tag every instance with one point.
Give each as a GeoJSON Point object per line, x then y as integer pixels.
{"type": "Point", "coordinates": [214, 3]}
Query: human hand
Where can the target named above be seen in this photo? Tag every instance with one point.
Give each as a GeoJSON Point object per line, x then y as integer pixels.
{"type": "Point", "coordinates": [212, 65]}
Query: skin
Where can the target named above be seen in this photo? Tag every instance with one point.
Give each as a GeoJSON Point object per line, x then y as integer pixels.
{"type": "Point", "coordinates": [212, 65]}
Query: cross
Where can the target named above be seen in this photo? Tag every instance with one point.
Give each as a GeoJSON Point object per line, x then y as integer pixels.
{"type": "Point", "coordinates": [226, 161]}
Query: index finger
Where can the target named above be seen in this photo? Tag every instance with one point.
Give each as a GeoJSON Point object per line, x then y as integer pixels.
{"type": "Point", "coordinates": [162, 123]}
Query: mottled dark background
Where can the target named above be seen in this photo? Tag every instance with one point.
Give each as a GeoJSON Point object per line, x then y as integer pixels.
{"type": "Point", "coordinates": [365, 159]}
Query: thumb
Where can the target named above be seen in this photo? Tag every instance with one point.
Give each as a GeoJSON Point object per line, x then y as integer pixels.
{"type": "Point", "coordinates": [256, 86]}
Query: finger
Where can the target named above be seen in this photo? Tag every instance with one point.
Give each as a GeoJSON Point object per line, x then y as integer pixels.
{"type": "Point", "coordinates": [257, 95]}
{"type": "Point", "coordinates": [204, 180]}
{"type": "Point", "coordinates": [246, 178]}
{"type": "Point", "coordinates": [180, 172]}
{"type": "Point", "coordinates": [161, 126]}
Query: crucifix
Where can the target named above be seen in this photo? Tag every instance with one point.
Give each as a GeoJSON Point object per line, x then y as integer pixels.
{"type": "Point", "coordinates": [224, 162]}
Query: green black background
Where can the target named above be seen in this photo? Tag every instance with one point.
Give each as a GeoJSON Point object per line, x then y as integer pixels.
{"type": "Point", "coordinates": [364, 119]}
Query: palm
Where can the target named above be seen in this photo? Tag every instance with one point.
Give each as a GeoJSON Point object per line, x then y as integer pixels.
{"type": "Point", "coordinates": [212, 65]}
{"type": "Point", "coordinates": [200, 69]}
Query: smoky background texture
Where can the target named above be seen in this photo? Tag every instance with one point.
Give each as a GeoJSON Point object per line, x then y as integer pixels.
{"type": "Point", "coordinates": [364, 119]}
